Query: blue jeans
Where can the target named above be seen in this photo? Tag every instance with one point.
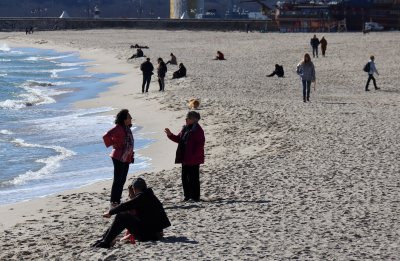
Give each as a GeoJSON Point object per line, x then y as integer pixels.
{"type": "Point", "coordinates": [306, 89]}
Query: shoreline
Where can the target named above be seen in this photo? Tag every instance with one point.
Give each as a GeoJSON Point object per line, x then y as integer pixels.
{"type": "Point", "coordinates": [102, 62]}
{"type": "Point", "coordinates": [282, 179]}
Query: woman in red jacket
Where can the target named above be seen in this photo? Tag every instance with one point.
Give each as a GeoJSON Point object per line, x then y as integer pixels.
{"type": "Point", "coordinates": [190, 154]}
{"type": "Point", "coordinates": [121, 138]}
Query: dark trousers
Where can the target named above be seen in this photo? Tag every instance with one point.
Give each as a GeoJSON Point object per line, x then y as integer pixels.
{"type": "Point", "coordinates": [146, 82]}
{"type": "Point", "coordinates": [161, 83]}
{"type": "Point", "coordinates": [191, 182]}
{"type": "Point", "coordinates": [306, 89]}
{"type": "Point", "coordinates": [275, 73]}
{"type": "Point", "coordinates": [315, 51]}
{"type": "Point", "coordinates": [323, 51]}
{"type": "Point", "coordinates": [370, 77]}
{"type": "Point", "coordinates": [122, 221]}
{"type": "Point", "coordinates": [120, 173]}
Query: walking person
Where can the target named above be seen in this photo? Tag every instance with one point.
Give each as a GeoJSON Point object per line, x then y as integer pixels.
{"type": "Point", "coordinates": [371, 70]}
{"type": "Point", "coordinates": [161, 71]}
{"type": "Point", "coordinates": [121, 138]}
{"type": "Point", "coordinates": [143, 215]}
{"type": "Point", "coordinates": [306, 70]}
{"type": "Point", "coordinates": [190, 153]}
{"type": "Point", "coordinates": [324, 44]}
{"type": "Point", "coordinates": [147, 69]}
{"type": "Point", "coordinates": [314, 42]}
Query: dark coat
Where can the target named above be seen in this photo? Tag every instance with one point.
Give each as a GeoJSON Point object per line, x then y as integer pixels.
{"type": "Point", "coordinates": [314, 42]}
{"type": "Point", "coordinates": [147, 68]}
{"type": "Point", "coordinates": [149, 211]}
{"type": "Point", "coordinates": [161, 69]}
{"type": "Point", "coordinates": [180, 73]}
{"type": "Point", "coordinates": [190, 152]}
{"type": "Point", "coordinates": [323, 43]}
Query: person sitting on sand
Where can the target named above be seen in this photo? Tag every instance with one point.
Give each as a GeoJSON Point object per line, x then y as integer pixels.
{"type": "Point", "coordinates": [179, 73]}
{"type": "Point", "coordinates": [138, 54]}
{"type": "Point", "coordinates": [143, 215]}
{"type": "Point", "coordinates": [139, 46]}
{"type": "Point", "coordinates": [278, 71]}
{"type": "Point", "coordinates": [220, 56]}
{"type": "Point", "coordinates": [172, 60]}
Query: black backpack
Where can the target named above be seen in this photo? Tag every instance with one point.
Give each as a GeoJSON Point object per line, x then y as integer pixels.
{"type": "Point", "coordinates": [367, 67]}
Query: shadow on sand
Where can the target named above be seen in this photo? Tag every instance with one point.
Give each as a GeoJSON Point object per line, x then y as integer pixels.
{"type": "Point", "coordinates": [174, 239]}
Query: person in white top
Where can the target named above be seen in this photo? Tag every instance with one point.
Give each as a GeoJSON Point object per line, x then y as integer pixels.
{"type": "Point", "coordinates": [372, 70]}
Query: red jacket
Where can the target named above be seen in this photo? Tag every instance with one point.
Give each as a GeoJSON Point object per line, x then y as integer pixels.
{"type": "Point", "coordinates": [122, 150]}
{"type": "Point", "coordinates": [193, 152]}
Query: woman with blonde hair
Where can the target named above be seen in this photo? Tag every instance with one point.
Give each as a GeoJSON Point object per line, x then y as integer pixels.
{"type": "Point", "coordinates": [306, 70]}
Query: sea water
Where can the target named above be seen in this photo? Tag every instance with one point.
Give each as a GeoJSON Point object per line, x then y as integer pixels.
{"type": "Point", "coordinates": [46, 145]}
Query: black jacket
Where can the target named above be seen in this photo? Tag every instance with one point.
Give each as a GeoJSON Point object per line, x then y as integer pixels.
{"type": "Point", "coordinates": [314, 42]}
{"type": "Point", "coordinates": [149, 211]}
{"type": "Point", "coordinates": [161, 70]}
{"type": "Point", "coordinates": [147, 68]}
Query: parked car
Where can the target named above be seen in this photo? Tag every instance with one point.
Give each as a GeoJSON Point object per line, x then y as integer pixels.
{"type": "Point", "coordinates": [373, 26]}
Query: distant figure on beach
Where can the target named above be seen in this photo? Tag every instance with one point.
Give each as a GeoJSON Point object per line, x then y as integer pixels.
{"type": "Point", "coordinates": [143, 216]}
{"type": "Point", "coordinates": [181, 72]}
{"type": "Point", "coordinates": [26, 30]}
{"type": "Point", "coordinates": [31, 30]}
{"type": "Point", "coordinates": [121, 138]}
{"type": "Point", "coordinates": [324, 44]}
{"type": "Point", "coordinates": [370, 68]}
{"type": "Point", "coordinates": [278, 71]}
{"type": "Point", "coordinates": [190, 153]}
{"type": "Point", "coordinates": [172, 60]}
{"type": "Point", "coordinates": [139, 46]}
{"type": "Point", "coordinates": [306, 70]}
{"type": "Point", "coordinates": [147, 69]}
{"type": "Point", "coordinates": [161, 72]}
{"type": "Point", "coordinates": [314, 42]}
{"type": "Point", "coordinates": [220, 56]}
{"type": "Point", "coordinates": [139, 53]}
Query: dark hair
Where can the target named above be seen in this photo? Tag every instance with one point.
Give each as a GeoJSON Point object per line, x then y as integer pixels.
{"type": "Point", "coordinates": [148, 59]}
{"type": "Point", "coordinates": [139, 184]}
{"type": "Point", "coordinates": [171, 54]}
{"type": "Point", "coordinates": [193, 115]}
{"type": "Point", "coordinates": [121, 117]}
{"type": "Point", "coordinates": [160, 59]}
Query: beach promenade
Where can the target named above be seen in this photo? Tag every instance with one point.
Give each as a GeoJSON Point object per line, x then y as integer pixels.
{"type": "Point", "coordinates": [282, 180]}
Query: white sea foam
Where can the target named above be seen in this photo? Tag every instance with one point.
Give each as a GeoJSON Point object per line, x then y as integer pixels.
{"type": "Point", "coordinates": [33, 96]}
{"type": "Point", "coordinates": [5, 60]}
{"type": "Point", "coordinates": [59, 57]}
{"type": "Point", "coordinates": [70, 64]}
{"type": "Point", "coordinates": [51, 163]}
{"type": "Point", "coordinates": [4, 47]}
{"type": "Point", "coordinates": [54, 72]}
{"type": "Point", "coordinates": [3, 74]}
{"type": "Point", "coordinates": [6, 132]}
{"type": "Point", "coordinates": [33, 58]}
{"type": "Point", "coordinates": [32, 83]}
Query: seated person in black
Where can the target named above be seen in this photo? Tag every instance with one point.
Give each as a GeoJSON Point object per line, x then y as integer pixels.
{"type": "Point", "coordinates": [139, 53]}
{"type": "Point", "coordinates": [278, 71]}
{"type": "Point", "coordinates": [179, 73]}
{"type": "Point", "coordinates": [143, 216]}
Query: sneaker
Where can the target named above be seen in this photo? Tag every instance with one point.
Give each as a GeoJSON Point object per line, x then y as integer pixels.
{"type": "Point", "coordinates": [366, 90]}
{"type": "Point", "coordinates": [101, 244]}
{"type": "Point", "coordinates": [377, 88]}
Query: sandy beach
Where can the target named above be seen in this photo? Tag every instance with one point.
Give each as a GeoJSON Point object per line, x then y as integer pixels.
{"type": "Point", "coordinates": [282, 180]}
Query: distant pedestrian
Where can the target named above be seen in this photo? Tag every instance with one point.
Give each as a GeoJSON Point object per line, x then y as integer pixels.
{"type": "Point", "coordinates": [306, 70]}
{"type": "Point", "coordinates": [278, 71]}
{"type": "Point", "coordinates": [31, 30]}
{"type": "Point", "coordinates": [147, 69]}
{"type": "Point", "coordinates": [314, 42]}
{"type": "Point", "coordinates": [190, 153]}
{"type": "Point", "coordinates": [324, 44]}
{"type": "Point", "coordinates": [371, 69]}
{"type": "Point", "coordinates": [26, 30]}
{"type": "Point", "coordinates": [161, 72]}
{"type": "Point", "coordinates": [172, 60]}
{"type": "Point", "coordinates": [121, 139]}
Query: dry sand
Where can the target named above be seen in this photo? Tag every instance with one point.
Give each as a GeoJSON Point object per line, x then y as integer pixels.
{"type": "Point", "coordinates": [282, 179]}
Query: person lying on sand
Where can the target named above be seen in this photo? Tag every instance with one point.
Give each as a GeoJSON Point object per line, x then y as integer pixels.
{"type": "Point", "coordinates": [179, 73]}
{"type": "Point", "coordinates": [220, 56]}
{"type": "Point", "coordinates": [139, 46]}
{"type": "Point", "coordinates": [139, 53]}
{"type": "Point", "coordinates": [143, 215]}
{"type": "Point", "coordinates": [278, 71]}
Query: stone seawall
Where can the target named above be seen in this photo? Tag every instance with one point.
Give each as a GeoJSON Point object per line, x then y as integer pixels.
{"type": "Point", "coordinates": [43, 24]}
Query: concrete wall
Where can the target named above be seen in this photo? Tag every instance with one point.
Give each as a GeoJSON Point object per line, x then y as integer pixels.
{"type": "Point", "coordinates": [19, 24]}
